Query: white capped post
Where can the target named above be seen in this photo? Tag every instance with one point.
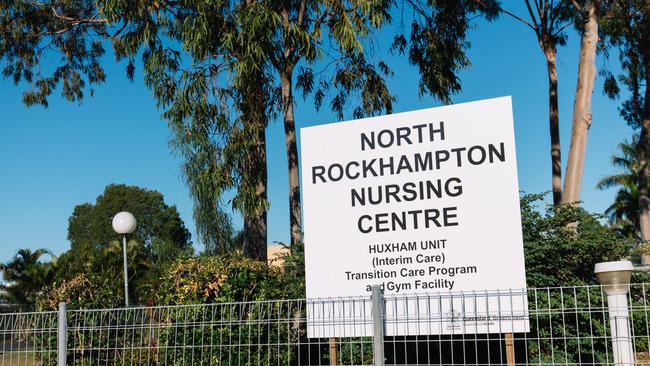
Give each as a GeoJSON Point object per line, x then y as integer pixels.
{"type": "Point", "coordinates": [615, 279]}
{"type": "Point", "coordinates": [125, 223]}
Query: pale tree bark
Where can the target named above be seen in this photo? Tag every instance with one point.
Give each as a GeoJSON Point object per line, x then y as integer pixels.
{"type": "Point", "coordinates": [582, 117]}
{"type": "Point", "coordinates": [292, 154]}
{"type": "Point", "coordinates": [546, 21]}
{"type": "Point", "coordinates": [554, 123]}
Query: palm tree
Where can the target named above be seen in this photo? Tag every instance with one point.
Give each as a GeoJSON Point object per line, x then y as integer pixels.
{"type": "Point", "coordinates": [624, 211]}
{"type": "Point", "coordinates": [24, 275]}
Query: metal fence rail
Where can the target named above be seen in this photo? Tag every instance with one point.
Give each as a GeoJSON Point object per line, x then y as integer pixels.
{"type": "Point", "coordinates": [565, 326]}
{"type": "Point", "coordinates": [28, 338]}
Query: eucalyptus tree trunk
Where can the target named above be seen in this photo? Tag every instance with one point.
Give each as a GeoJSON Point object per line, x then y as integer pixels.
{"type": "Point", "coordinates": [255, 224]}
{"type": "Point", "coordinates": [254, 177]}
{"type": "Point", "coordinates": [644, 171]}
{"type": "Point", "coordinates": [554, 122]}
{"type": "Point", "coordinates": [582, 117]}
{"type": "Point", "coordinates": [292, 154]}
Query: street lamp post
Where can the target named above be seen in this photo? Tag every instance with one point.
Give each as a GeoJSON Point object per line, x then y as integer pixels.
{"type": "Point", "coordinates": [124, 223]}
{"type": "Point", "coordinates": [615, 279]}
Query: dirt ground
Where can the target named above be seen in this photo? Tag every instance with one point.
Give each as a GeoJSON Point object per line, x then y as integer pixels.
{"type": "Point", "coordinates": [18, 359]}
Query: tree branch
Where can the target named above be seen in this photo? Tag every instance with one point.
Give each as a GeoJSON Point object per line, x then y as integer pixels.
{"type": "Point", "coordinates": [301, 13]}
{"type": "Point", "coordinates": [532, 17]}
{"type": "Point", "coordinates": [576, 5]}
{"type": "Point", "coordinates": [562, 28]}
{"type": "Point", "coordinates": [518, 18]}
{"type": "Point", "coordinates": [418, 9]}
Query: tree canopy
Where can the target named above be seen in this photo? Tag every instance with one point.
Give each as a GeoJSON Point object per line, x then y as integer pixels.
{"type": "Point", "coordinates": [26, 274]}
{"type": "Point", "coordinates": [221, 70]}
{"type": "Point", "coordinates": [160, 228]}
{"type": "Point", "coordinates": [95, 249]}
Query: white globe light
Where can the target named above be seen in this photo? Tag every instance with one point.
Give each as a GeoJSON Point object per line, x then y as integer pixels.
{"type": "Point", "coordinates": [124, 223]}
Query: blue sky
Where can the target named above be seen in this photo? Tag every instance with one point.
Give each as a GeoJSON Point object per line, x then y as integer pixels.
{"type": "Point", "coordinates": [53, 159]}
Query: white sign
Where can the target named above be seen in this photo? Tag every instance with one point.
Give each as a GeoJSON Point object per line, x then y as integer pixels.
{"type": "Point", "coordinates": [419, 202]}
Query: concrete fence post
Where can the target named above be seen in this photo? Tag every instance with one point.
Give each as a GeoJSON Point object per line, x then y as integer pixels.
{"type": "Point", "coordinates": [62, 336]}
{"type": "Point", "coordinates": [619, 324]}
{"type": "Point", "coordinates": [378, 325]}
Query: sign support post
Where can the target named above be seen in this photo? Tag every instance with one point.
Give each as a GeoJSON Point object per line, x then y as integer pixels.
{"type": "Point", "coordinates": [510, 349]}
{"type": "Point", "coordinates": [378, 325]}
{"type": "Point", "coordinates": [333, 355]}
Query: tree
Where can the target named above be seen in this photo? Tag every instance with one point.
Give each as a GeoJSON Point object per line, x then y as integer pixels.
{"type": "Point", "coordinates": [256, 43]}
{"type": "Point", "coordinates": [160, 228]}
{"type": "Point", "coordinates": [549, 21]}
{"type": "Point", "coordinates": [624, 211]}
{"type": "Point", "coordinates": [627, 28]}
{"type": "Point", "coordinates": [225, 148]}
{"type": "Point", "coordinates": [199, 57]}
{"type": "Point", "coordinates": [582, 118]}
{"type": "Point", "coordinates": [436, 46]}
{"type": "Point", "coordinates": [159, 239]}
{"type": "Point", "coordinates": [25, 275]}
{"type": "Point", "coordinates": [69, 31]}
{"type": "Point", "coordinates": [437, 41]}
{"type": "Point", "coordinates": [260, 42]}
{"type": "Point", "coordinates": [558, 253]}
{"type": "Point", "coordinates": [298, 35]}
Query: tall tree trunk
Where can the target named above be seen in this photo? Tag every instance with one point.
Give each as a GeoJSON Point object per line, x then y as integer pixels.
{"type": "Point", "coordinates": [255, 237]}
{"type": "Point", "coordinates": [254, 176]}
{"type": "Point", "coordinates": [642, 148]}
{"type": "Point", "coordinates": [582, 106]}
{"type": "Point", "coordinates": [554, 123]}
{"type": "Point", "coordinates": [292, 154]}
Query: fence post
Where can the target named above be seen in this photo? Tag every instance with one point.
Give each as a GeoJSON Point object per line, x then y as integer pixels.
{"type": "Point", "coordinates": [62, 337]}
{"type": "Point", "coordinates": [615, 280]}
{"type": "Point", "coordinates": [378, 325]}
{"type": "Point", "coordinates": [619, 324]}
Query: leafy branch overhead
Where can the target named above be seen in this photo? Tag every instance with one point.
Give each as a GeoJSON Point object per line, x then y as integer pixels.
{"type": "Point", "coordinates": [35, 33]}
{"type": "Point", "coordinates": [220, 71]}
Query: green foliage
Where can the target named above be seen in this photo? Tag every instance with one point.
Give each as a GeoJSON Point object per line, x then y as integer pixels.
{"type": "Point", "coordinates": [624, 211]}
{"type": "Point", "coordinates": [294, 271]}
{"type": "Point", "coordinates": [210, 279]}
{"type": "Point", "coordinates": [160, 236]}
{"type": "Point", "coordinates": [232, 282]}
{"type": "Point", "coordinates": [90, 273]}
{"type": "Point", "coordinates": [70, 32]}
{"type": "Point", "coordinates": [214, 69]}
{"type": "Point", "coordinates": [84, 291]}
{"type": "Point", "coordinates": [219, 99]}
{"type": "Point", "coordinates": [157, 222]}
{"type": "Point", "coordinates": [25, 275]}
{"type": "Point", "coordinates": [627, 28]}
{"type": "Point", "coordinates": [355, 351]}
{"type": "Point", "coordinates": [562, 244]}
{"type": "Point", "coordinates": [437, 43]}
{"type": "Point", "coordinates": [95, 255]}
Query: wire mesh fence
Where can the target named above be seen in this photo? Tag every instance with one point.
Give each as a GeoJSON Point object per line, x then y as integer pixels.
{"type": "Point", "coordinates": [28, 338]}
{"type": "Point", "coordinates": [562, 326]}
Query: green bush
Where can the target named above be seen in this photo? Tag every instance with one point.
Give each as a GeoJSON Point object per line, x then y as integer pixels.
{"type": "Point", "coordinates": [235, 329]}
{"type": "Point", "coordinates": [215, 279]}
{"type": "Point", "coordinates": [562, 244]}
